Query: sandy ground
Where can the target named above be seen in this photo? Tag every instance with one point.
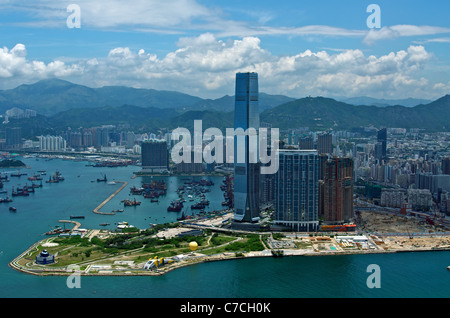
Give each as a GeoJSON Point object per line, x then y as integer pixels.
{"type": "Point", "coordinates": [417, 233]}
{"type": "Point", "coordinates": [401, 243]}
{"type": "Point", "coordinates": [386, 223]}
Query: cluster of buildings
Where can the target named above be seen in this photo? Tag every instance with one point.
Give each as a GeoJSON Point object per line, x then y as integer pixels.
{"type": "Point", "coordinates": [318, 172]}
{"type": "Point", "coordinates": [310, 183]}
{"type": "Point", "coordinates": [105, 139]}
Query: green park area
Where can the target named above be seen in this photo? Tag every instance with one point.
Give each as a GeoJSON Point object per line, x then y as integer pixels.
{"type": "Point", "coordinates": [134, 246]}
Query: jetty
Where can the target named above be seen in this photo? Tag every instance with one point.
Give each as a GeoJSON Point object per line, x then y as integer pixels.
{"type": "Point", "coordinates": [76, 224]}
{"type": "Point", "coordinates": [97, 209]}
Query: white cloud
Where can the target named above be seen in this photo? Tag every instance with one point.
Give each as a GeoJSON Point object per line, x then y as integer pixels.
{"type": "Point", "coordinates": [392, 32]}
{"type": "Point", "coordinates": [14, 66]}
{"type": "Point", "coordinates": [206, 67]}
{"type": "Point", "coordinates": [113, 14]}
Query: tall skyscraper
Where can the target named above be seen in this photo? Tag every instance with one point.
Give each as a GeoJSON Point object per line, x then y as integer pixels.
{"type": "Point", "coordinates": [246, 173]}
{"type": "Point", "coordinates": [296, 197]}
{"type": "Point", "coordinates": [336, 188]}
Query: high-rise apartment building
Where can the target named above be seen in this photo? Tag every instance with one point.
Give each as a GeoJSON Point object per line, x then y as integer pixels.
{"type": "Point", "coordinates": [336, 189]}
{"type": "Point", "coordinates": [324, 144]}
{"type": "Point", "coordinates": [52, 143]}
{"type": "Point", "coordinates": [446, 165]}
{"type": "Point", "coordinates": [13, 138]}
{"type": "Point", "coordinates": [306, 143]}
{"type": "Point", "coordinates": [296, 184]}
{"type": "Point", "coordinates": [155, 156]}
{"type": "Point", "coordinates": [246, 172]}
{"type": "Point", "coordinates": [380, 147]}
{"type": "Point", "coordinates": [189, 167]}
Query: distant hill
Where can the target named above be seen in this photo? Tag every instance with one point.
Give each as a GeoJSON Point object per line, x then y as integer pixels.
{"type": "Point", "coordinates": [52, 96]}
{"type": "Point", "coordinates": [324, 113]}
{"type": "Point", "coordinates": [48, 97]}
{"type": "Point", "coordinates": [317, 113]}
{"type": "Point", "coordinates": [226, 103]}
{"type": "Point", "coordinates": [65, 104]}
{"type": "Point", "coordinates": [126, 114]}
{"type": "Point", "coordinates": [369, 101]}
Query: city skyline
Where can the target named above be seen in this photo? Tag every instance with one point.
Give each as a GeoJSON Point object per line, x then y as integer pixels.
{"type": "Point", "coordinates": [299, 49]}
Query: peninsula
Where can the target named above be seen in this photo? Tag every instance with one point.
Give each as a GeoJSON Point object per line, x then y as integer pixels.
{"type": "Point", "coordinates": [165, 247]}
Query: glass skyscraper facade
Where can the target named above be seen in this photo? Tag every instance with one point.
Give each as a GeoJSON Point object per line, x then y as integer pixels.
{"type": "Point", "coordinates": [246, 172]}
{"type": "Point", "coordinates": [296, 198]}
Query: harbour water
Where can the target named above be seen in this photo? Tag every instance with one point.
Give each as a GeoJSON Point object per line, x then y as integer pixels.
{"type": "Point", "coordinates": [418, 274]}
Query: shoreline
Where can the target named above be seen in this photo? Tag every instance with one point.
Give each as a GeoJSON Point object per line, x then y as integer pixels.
{"type": "Point", "coordinates": [226, 256]}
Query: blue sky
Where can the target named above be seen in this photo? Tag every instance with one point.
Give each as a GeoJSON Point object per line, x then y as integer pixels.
{"type": "Point", "coordinates": [298, 48]}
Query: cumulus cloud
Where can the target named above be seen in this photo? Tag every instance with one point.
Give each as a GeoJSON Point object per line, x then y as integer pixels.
{"type": "Point", "coordinates": [15, 66]}
{"type": "Point", "coordinates": [205, 66]}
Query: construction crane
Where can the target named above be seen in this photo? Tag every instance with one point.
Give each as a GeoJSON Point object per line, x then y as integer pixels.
{"type": "Point", "coordinates": [409, 234]}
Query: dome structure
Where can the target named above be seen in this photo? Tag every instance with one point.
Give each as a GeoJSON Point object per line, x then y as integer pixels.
{"type": "Point", "coordinates": [45, 258]}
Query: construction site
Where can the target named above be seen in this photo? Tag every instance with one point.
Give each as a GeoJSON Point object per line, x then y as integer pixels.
{"type": "Point", "coordinates": [388, 223]}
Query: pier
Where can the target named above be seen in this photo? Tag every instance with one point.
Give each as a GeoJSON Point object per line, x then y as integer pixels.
{"type": "Point", "coordinates": [76, 224]}
{"type": "Point", "coordinates": [97, 209]}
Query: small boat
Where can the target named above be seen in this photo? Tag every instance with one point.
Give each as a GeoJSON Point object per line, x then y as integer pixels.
{"type": "Point", "coordinates": [448, 267]}
{"type": "Point", "coordinates": [77, 216]}
{"type": "Point", "coordinates": [5, 200]}
{"type": "Point", "coordinates": [12, 209]}
{"type": "Point", "coordinates": [102, 180]}
{"type": "Point", "coordinates": [104, 224]}
{"type": "Point", "coordinates": [131, 203]}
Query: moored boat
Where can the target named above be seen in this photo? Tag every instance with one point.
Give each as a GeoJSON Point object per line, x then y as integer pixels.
{"type": "Point", "coordinates": [5, 200]}
{"type": "Point", "coordinates": [131, 202]}
{"type": "Point", "coordinates": [102, 180]}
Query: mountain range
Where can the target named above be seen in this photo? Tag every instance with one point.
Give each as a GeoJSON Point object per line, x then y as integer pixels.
{"type": "Point", "coordinates": [51, 96]}
{"type": "Point", "coordinates": [369, 101]}
{"type": "Point", "coordinates": [61, 104]}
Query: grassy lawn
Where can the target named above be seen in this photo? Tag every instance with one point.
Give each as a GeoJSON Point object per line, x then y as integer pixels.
{"type": "Point", "coordinates": [303, 244]}
{"type": "Point", "coordinates": [139, 248]}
